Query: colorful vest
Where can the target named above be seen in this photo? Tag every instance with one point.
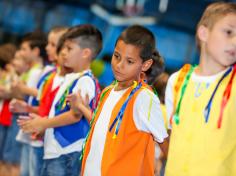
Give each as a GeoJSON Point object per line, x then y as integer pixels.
{"type": "Point", "coordinates": [130, 151]}
{"type": "Point", "coordinates": [5, 114]}
{"type": "Point", "coordinates": [47, 94]}
{"type": "Point", "coordinates": [66, 135]}
{"type": "Point", "coordinates": [199, 147]}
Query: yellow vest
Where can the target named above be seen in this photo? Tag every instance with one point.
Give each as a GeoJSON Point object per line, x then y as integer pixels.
{"type": "Point", "coordinates": [198, 148]}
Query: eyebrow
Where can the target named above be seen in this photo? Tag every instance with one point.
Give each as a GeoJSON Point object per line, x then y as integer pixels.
{"type": "Point", "coordinates": [232, 26]}
{"type": "Point", "coordinates": [130, 58]}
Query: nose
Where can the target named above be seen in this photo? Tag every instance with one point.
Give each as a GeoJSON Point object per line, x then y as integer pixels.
{"type": "Point", "coordinates": [47, 47]}
{"type": "Point", "coordinates": [64, 52]}
{"type": "Point", "coordinates": [234, 41]}
{"type": "Point", "coordinates": [120, 64]}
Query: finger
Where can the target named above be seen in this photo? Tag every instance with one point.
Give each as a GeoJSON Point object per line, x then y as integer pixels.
{"type": "Point", "coordinates": [21, 123]}
{"type": "Point", "coordinates": [33, 116]}
{"type": "Point", "coordinates": [69, 96]}
{"type": "Point", "coordinates": [87, 99]}
{"type": "Point", "coordinates": [26, 130]}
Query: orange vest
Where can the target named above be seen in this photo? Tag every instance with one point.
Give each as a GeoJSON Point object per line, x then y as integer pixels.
{"type": "Point", "coordinates": [132, 151]}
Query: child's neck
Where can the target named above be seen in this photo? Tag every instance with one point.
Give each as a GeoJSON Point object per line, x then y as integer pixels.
{"type": "Point", "coordinates": [78, 70]}
{"type": "Point", "coordinates": [208, 66]}
{"type": "Point", "coordinates": [63, 71]}
{"type": "Point", "coordinates": [123, 85]}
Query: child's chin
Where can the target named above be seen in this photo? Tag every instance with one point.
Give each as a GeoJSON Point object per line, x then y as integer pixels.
{"type": "Point", "coordinates": [67, 65]}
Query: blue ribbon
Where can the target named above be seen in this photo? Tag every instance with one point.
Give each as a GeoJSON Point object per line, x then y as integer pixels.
{"type": "Point", "coordinates": [119, 117]}
{"type": "Point", "coordinates": [208, 107]}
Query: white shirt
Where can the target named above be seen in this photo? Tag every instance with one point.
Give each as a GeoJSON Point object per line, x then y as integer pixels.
{"type": "Point", "coordinates": [154, 125]}
{"type": "Point", "coordinates": [32, 81]}
{"type": "Point", "coordinates": [52, 148]}
{"type": "Point", "coordinates": [198, 80]}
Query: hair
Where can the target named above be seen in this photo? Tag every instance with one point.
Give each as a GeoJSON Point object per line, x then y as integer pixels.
{"type": "Point", "coordinates": [159, 85]}
{"type": "Point", "coordinates": [59, 29]}
{"type": "Point", "coordinates": [7, 52]}
{"type": "Point", "coordinates": [213, 13]}
{"type": "Point", "coordinates": [144, 39]}
{"type": "Point", "coordinates": [87, 36]}
{"type": "Point", "coordinates": [37, 39]}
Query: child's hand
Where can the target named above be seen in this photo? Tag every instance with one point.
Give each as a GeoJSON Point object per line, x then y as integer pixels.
{"type": "Point", "coordinates": [3, 90]}
{"type": "Point", "coordinates": [17, 88]}
{"type": "Point", "coordinates": [35, 124]}
{"type": "Point", "coordinates": [18, 106]}
{"type": "Point", "coordinates": [76, 102]}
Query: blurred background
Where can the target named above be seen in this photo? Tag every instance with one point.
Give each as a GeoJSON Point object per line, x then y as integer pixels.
{"type": "Point", "coordinates": [172, 21]}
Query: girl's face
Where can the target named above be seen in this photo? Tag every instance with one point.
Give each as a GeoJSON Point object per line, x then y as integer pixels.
{"type": "Point", "coordinates": [52, 46]}
{"type": "Point", "coordinates": [126, 63]}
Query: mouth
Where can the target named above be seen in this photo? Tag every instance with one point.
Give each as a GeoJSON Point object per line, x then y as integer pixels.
{"type": "Point", "coordinates": [232, 53]}
{"type": "Point", "coordinates": [118, 73]}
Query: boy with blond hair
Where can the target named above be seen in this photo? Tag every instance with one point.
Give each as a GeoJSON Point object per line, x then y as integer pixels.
{"type": "Point", "coordinates": [201, 101]}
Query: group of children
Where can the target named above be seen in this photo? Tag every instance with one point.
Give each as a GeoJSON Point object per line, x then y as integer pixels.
{"type": "Point", "coordinates": [69, 127]}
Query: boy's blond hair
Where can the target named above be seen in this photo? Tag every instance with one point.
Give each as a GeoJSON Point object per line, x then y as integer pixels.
{"type": "Point", "coordinates": [213, 13]}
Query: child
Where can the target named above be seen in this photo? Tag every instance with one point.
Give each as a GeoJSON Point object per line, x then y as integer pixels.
{"type": "Point", "coordinates": [33, 50]}
{"type": "Point", "coordinates": [48, 84]}
{"type": "Point", "coordinates": [66, 132]}
{"type": "Point", "coordinates": [8, 161]}
{"type": "Point", "coordinates": [202, 101]}
{"type": "Point", "coordinates": [128, 118]}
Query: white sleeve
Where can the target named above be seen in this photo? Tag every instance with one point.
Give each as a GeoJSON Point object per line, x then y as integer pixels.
{"type": "Point", "coordinates": [148, 116]}
{"type": "Point", "coordinates": [34, 78]}
{"type": "Point", "coordinates": [86, 86]}
{"type": "Point", "coordinates": [169, 97]}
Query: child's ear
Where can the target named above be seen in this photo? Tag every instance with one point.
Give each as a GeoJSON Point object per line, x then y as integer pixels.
{"type": "Point", "coordinates": [147, 64]}
{"type": "Point", "coordinates": [202, 33]}
{"type": "Point", "coordinates": [87, 53]}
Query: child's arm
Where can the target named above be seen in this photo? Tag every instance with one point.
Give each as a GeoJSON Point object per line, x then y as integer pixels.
{"type": "Point", "coordinates": [148, 117]}
{"type": "Point", "coordinates": [82, 94]}
{"type": "Point", "coordinates": [86, 86]}
{"type": "Point", "coordinates": [20, 87]}
{"type": "Point", "coordinates": [164, 147]}
{"type": "Point", "coordinates": [39, 124]}
{"type": "Point", "coordinates": [169, 98]}
{"type": "Point", "coordinates": [18, 106]}
{"type": "Point", "coordinates": [5, 93]}
{"type": "Point", "coordinates": [80, 105]}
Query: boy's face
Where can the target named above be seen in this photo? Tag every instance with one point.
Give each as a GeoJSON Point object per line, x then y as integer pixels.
{"type": "Point", "coordinates": [220, 41]}
{"type": "Point", "coordinates": [52, 46]}
{"type": "Point", "coordinates": [126, 62]}
{"type": "Point", "coordinates": [19, 65]}
{"type": "Point", "coordinates": [61, 58]}
{"type": "Point", "coordinates": [73, 55]}
{"type": "Point", "coordinates": [26, 51]}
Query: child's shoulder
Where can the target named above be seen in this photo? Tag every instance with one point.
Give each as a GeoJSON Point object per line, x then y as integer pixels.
{"type": "Point", "coordinates": [172, 79]}
{"type": "Point", "coordinates": [146, 95]}
{"type": "Point", "coordinates": [179, 75]}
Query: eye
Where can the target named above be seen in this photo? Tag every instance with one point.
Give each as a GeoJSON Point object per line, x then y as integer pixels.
{"type": "Point", "coordinates": [228, 32]}
{"type": "Point", "coordinates": [116, 56]}
{"type": "Point", "coordinates": [130, 62]}
{"type": "Point", "coordinates": [68, 48]}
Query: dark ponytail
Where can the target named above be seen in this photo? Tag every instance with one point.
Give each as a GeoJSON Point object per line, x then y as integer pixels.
{"type": "Point", "coordinates": [157, 67]}
{"type": "Point", "coordinates": [144, 39]}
